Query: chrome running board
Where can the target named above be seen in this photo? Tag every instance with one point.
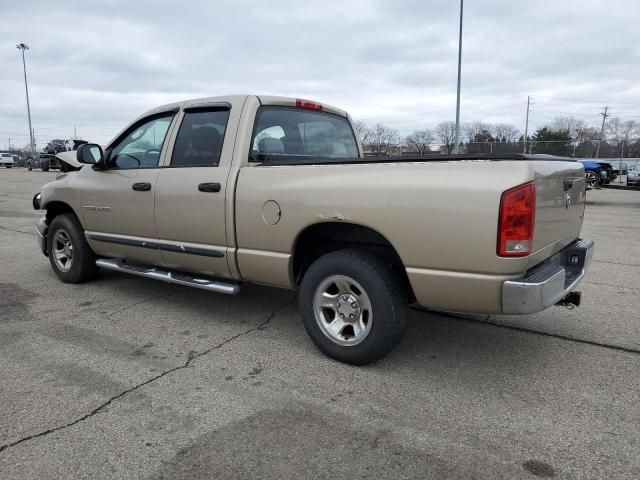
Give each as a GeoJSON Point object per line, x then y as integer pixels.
{"type": "Point", "coordinates": [178, 278]}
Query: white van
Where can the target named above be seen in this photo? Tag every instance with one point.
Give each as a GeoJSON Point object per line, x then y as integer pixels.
{"type": "Point", "coordinates": [6, 159]}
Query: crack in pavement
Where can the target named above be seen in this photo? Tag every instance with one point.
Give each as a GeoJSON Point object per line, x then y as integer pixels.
{"type": "Point", "coordinates": [146, 300]}
{"type": "Point", "coordinates": [487, 321]}
{"type": "Point", "coordinates": [16, 231]}
{"type": "Point", "coordinates": [185, 365]}
{"type": "Point", "coordinates": [617, 263]}
{"type": "Point", "coordinates": [626, 287]}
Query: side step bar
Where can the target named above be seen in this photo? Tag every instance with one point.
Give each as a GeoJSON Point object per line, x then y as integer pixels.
{"type": "Point", "coordinates": [178, 278]}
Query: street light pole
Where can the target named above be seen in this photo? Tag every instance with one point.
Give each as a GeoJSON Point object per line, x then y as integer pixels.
{"type": "Point", "coordinates": [23, 47]}
{"type": "Point", "coordinates": [456, 141]}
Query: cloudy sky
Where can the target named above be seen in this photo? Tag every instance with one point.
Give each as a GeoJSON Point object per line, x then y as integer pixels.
{"type": "Point", "coordinates": [96, 65]}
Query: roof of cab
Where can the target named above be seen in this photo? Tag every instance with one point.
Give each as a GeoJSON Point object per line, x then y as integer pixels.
{"type": "Point", "coordinates": [229, 100]}
{"type": "Point", "coordinates": [234, 99]}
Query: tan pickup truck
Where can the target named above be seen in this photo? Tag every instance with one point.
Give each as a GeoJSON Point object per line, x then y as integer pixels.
{"type": "Point", "coordinates": [216, 192]}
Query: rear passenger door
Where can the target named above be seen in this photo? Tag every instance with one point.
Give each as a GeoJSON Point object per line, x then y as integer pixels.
{"type": "Point", "coordinates": [190, 194]}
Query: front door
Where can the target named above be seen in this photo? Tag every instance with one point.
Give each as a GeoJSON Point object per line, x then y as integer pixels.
{"type": "Point", "coordinates": [118, 202]}
{"type": "Point", "coordinates": [190, 194]}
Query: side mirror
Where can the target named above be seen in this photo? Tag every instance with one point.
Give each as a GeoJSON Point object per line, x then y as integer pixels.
{"type": "Point", "coordinates": [90, 154]}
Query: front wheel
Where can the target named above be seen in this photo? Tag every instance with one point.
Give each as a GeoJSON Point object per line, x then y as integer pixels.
{"type": "Point", "coordinates": [592, 179]}
{"type": "Point", "coordinates": [70, 256]}
{"type": "Point", "coordinates": [29, 167]}
{"type": "Point", "coordinates": [353, 306]}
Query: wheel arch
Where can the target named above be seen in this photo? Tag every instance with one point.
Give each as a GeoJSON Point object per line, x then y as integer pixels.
{"type": "Point", "coordinates": [57, 207]}
{"type": "Point", "coordinates": [321, 238]}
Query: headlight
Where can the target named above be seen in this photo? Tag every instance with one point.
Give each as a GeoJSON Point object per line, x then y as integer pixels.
{"type": "Point", "coordinates": [37, 201]}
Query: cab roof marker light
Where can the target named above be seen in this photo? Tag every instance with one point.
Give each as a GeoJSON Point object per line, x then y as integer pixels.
{"type": "Point", "coordinates": [309, 105]}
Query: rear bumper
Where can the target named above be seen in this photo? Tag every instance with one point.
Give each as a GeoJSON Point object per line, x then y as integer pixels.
{"type": "Point", "coordinates": [549, 282]}
{"type": "Point", "coordinates": [43, 228]}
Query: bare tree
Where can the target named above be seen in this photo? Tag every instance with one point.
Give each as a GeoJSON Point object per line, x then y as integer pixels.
{"type": "Point", "coordinates": [363, 132]}
{"type": "Point", "coordinates": [383, 139]}
{"type": "Point", "coordinates": [445, 132]}
{"type": "Point", "coordinates": [474, 130]}
{"type": "Point", "coordinates": [420, 141]}
{"type": "Point", "coordinates": [505, 132]}
{"type": "Point", "coordinates": [585, 133]}
{"type": "Point", "coordinates": [622, 133]}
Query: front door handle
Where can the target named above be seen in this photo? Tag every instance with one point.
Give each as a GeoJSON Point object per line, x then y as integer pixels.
{"type": "Point", "coordinates": [141, 186]}
{"type": "Point", "coordinates": [209, 187]}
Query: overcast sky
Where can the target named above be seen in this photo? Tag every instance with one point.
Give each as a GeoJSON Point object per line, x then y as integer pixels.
{"type": "Point", "coordinates": [97, 65]}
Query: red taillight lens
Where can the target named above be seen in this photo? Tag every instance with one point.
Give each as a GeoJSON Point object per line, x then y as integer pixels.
{"type": "Point", "coordinates": [516, 221]}
{"type": "Point", "coordinates": [308, 104]}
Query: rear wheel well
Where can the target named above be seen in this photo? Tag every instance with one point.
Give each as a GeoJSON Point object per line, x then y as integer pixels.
{"type": "Point", "coordinates": [322, 238]}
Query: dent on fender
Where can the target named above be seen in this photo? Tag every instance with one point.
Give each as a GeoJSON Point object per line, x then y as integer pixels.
{"type": "Point", "coordinates": [335, 216]}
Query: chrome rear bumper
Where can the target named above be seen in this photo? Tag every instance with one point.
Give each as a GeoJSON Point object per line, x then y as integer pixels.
{"type": "Point", "coordinates": [549, 282]}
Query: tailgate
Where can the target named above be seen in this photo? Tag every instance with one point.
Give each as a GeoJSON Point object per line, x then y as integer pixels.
{"type": "Point", "coordinates": [560, 201]}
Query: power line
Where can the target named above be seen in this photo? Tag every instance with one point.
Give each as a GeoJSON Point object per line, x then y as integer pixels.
{"type": "Point", "coordinates": [577, 100]}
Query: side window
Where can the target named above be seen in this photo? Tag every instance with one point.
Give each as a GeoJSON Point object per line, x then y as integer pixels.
{"type": "Point", "coordinates": [199, 140]}
{"type": "Point", "coordinates": [141, 147]}
{"type": "Point", "coordinates": [295, 131]}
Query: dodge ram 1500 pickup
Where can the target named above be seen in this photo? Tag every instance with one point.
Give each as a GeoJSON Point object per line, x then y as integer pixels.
{"type": "Point", "coordinates": [216, 192]}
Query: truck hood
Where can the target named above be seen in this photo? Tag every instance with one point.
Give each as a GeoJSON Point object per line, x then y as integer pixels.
{"type": "Point", "coordinates": [69, 158]}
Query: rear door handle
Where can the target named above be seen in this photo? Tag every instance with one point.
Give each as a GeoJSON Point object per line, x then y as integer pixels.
{"type": "Point", "coordinates": [141, 187]}
{"type": "Point", "coordinates": [209, 187]}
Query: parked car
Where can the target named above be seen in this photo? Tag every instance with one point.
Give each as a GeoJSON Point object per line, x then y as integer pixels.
{"type": "Point", "coordinates": [44, 162]}
{"type": "Point", "coordinates": [6, 160]}
{"type": "Point", "coordinates": [611, 172]}
{"type": "Point", "coordinates": [633, 176]}
{"type": "Point", "coordinates": [276, 191]}
{"type": "Point", "coordinates": [595, 173]}
{"type": "Point", "coordinates": [620, 167]}
{"type": "Point", "coordinates": [55, 146]}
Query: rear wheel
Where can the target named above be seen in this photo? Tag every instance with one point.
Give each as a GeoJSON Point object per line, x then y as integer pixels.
{"type": "Point", "coordinates": [29, 167]}
{"type": "Point", "coordinates": [70, 256]}
{"type": "Point", "coordinates": [353, 306]}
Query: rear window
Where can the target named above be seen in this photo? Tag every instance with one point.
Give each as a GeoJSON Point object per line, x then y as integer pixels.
{"type": "Point", "coordinates": [5, 155]}
{"type": "Point", "coordinates": [299, 132]}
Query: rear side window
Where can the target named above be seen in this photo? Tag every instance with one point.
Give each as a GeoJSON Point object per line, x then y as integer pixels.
{"type": "Point", "coordinates": [295, 131]}
{"type": "Point", "coordinates": [199, 140]}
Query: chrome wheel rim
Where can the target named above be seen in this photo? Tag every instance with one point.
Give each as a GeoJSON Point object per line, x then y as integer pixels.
{"type": "Point", "coordinates": [592, 179]}
{"type": "Point", "coordinates": [343, 310]}
{"type": "Point", "coordinates": [62, 250]}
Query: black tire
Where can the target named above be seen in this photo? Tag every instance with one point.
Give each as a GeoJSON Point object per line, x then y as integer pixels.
{"type": "Point", "coordinates": [83, 265]}
{"type": "Point", "coordinates": [29, 167]}
{"type": "Point", "coordinates": [386, 294]}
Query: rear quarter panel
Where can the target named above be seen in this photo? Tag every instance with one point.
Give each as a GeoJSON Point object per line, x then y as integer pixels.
{"type": "Point", "coordinates": [437, 215]}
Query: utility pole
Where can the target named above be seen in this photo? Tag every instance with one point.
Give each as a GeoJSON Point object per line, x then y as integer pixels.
{"type": "Point", "coordinates": [604, 118]}
{"type": "Point", "coordinates": [456, 140]}
{"type": "Point", "coordinates": [23, 47]}
{"type": "Point", "coordinates": [9, 144]}
{"type": "Point", "coordinates": [526, 124]}
{"type": "Point", "coordinates": [75, 135]}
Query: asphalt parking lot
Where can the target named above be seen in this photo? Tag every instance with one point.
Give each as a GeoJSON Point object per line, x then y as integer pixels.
{"type": "Point", "coordinates": [129, 378]}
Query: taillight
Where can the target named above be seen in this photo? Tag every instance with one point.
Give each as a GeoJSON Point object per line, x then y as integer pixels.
{"type": "Point", "coordinates": [308, 104]}
{"type": "Point", "coordinates": [516, 221]}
